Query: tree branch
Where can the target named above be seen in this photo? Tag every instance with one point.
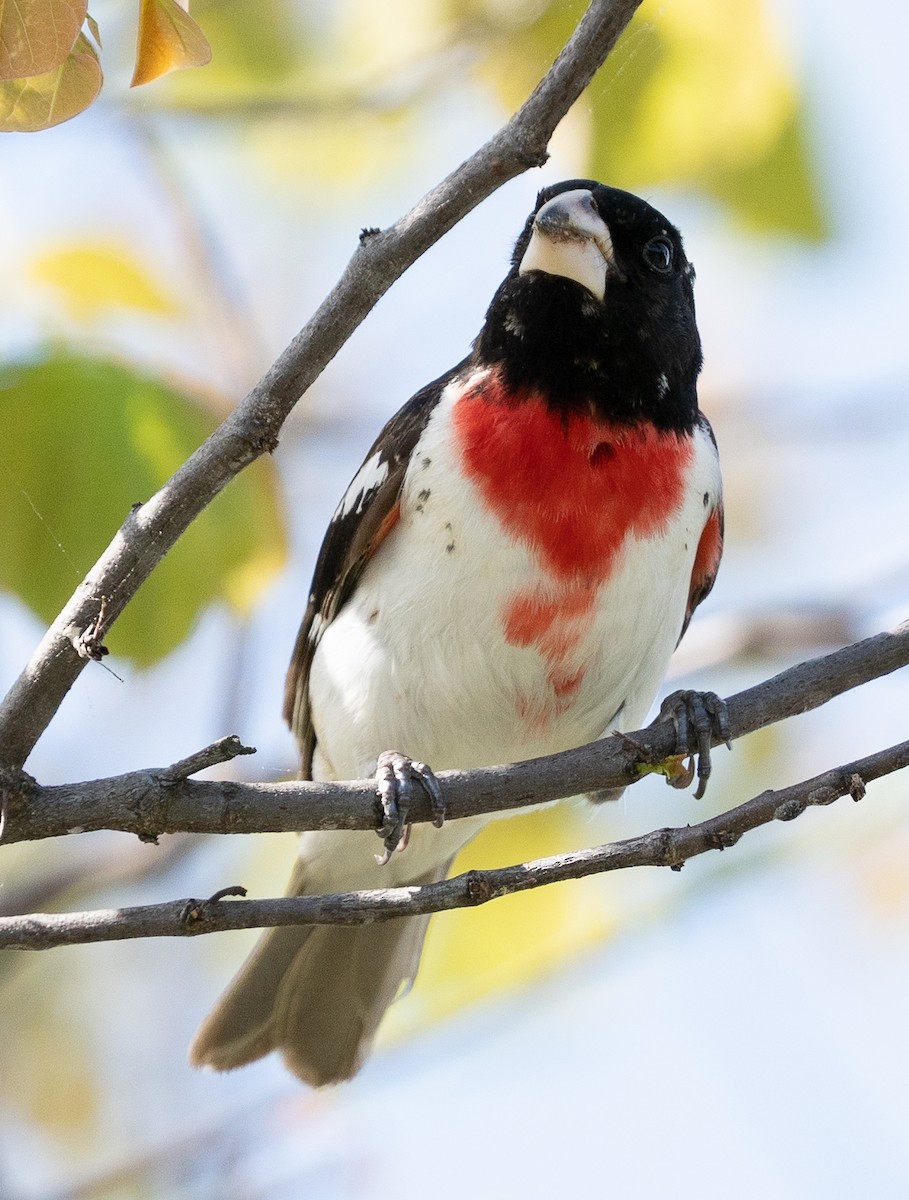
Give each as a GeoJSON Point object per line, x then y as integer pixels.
{"type": "Point", "coordinates": [157, 801]}
{"type": "Point", "coordinates": [149, 803]}
{"type": "Point", "coordinates": [662, 848]}
{"type": "Point", "coordinates": [152, 528]}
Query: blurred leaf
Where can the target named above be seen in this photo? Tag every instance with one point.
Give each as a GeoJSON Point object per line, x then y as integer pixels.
{"type": "Point", "coordinates": [93, 28]}
{"type": "Point", "coordinates": [252, 40]}
{"type": "Point", "coordinates": [84, 440]}
{"type": "Point", "coordinates": [350, 61]}
{"type": "Point", "coordinates": [711, 102]}
{"type": "Point", "coordinates": [37, 35]}
{"type": "Point", "coordinates": [702, 94]}
{"type": "Point", "coordinates": [780, 191]}
{"type": "Point", "coordinates": [92, 278]}
{"type": "Point", "coordinates": [352, 151]}
{"type": "Point", "coordinates": [169, 39]}
{"type": "Point", "coordinates": [476, 952]}
{"type": "Point", "coordinates": [378, 41]}
{"type": "Point", "coordinates": [50, 1081]}
{"type": "Point", "coordinates": [312, 56]}
{"type": "Point", "coordinates": [266, 55]}
{"type": "Point", "coordinates": [41, 101]}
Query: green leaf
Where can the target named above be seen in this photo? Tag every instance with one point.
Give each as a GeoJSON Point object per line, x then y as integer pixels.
{"type": "Point", "coordinates": [84, 439]}
{"type": "Point", "coordinates": [254, 40]}
{"type": "Point", "coordinates": [41, 101]}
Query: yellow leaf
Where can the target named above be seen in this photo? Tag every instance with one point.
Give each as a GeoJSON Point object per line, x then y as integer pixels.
{"type": "Point", "coordinates": [169, 39]}
{"type": "Point", "coordinates": [245, 583]}
{"type": "Point", "coordinates": [37, 35]}
{"type": "Point", "coordinates": [93, 278]}
{"type": "Point", "coordinates": [472, 953]}
{"type": "Point", "coordinates": [40, 101]}
{"type": "Point", "coordinates": [677, 770]}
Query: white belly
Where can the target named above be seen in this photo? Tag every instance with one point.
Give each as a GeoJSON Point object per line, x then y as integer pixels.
{"type": "Point", "coordinates": [418, 659]}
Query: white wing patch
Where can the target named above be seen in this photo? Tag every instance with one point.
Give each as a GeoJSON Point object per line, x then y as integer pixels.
{"type": "Point", "coordinates": [370, 476]}
{"type": "Point", "coordinates": [316, 628]}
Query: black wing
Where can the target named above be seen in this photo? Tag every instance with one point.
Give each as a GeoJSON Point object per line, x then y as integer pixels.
{"type": "Point", "coordinates": [366, 515]}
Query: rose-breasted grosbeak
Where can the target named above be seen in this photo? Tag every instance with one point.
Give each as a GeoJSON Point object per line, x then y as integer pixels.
{"type": "Point", "coordinates": [506, 577]}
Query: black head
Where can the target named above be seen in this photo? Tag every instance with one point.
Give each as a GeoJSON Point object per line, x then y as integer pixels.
{"type": "Point", "coordinates": [597, 311]}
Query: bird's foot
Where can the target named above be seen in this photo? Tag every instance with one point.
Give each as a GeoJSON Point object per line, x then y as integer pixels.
{"type": "Point", "coordinates": [701, 717]}
{"type": "Point", "coordinates": [395, 774]}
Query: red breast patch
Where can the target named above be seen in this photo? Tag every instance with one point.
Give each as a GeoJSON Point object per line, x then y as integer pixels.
{"type": "Point", "coordinates": [573, 489]}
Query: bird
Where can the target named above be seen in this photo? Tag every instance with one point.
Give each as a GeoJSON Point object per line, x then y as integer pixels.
{"type": "Point", "coordinates": [506, 576]}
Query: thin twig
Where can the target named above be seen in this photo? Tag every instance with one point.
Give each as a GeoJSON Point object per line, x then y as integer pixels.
{"type": "Point", "coordinates": [158, 801]}
{"type": "Point", "coordinates": [223, 750]}
{"type": "Point", "coordinates": [662, 848]}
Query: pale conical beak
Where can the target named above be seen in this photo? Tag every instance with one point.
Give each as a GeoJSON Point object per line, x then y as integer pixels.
{"type": "Point", "coordinates": [571, 239]}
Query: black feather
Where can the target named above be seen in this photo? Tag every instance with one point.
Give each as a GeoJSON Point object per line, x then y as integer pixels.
{"type": "Point", "coordinates": [349, 544]}
{"type": "Point", "coordinates": [633, 356]}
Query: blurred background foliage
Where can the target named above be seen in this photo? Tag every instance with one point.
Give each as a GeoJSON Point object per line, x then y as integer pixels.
{"type": "Point", "coordinates": [708, 100]}
{"type": "Point", "coordinates": [159, 250]}
{"type": "Point", "coordinates": [114, 435]}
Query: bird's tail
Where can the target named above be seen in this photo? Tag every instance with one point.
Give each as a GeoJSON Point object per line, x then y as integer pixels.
{"type": "Point", "coordinates": [317, 993]}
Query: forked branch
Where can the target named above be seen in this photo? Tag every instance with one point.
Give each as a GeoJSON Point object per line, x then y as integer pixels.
{"type": "Point", "coordinates": [662, 848]}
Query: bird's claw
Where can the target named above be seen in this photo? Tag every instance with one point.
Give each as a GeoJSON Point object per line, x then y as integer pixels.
{"type": "Point", "coordinates": [395, 774]}
{"type": "Point", "coordinates": [703, 717]}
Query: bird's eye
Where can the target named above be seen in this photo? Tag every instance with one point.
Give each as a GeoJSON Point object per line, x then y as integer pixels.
{"type": "Point", "coordinates": [658, 254]}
